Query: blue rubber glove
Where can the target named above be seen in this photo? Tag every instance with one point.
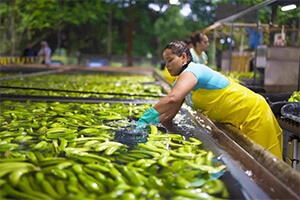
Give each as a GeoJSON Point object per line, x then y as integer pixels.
{"type": "Point", "coordinates": [150, 116]}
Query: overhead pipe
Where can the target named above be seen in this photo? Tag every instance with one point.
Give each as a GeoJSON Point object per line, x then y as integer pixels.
{"type": "Point", "coordinates": [238, 15]}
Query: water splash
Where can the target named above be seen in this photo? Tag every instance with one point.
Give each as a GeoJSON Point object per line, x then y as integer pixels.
{"type": "Point", "coordinates": [131, 136]}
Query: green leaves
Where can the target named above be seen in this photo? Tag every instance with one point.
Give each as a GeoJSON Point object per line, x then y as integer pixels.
{"type": "Point", "coordinates": [171, 26]}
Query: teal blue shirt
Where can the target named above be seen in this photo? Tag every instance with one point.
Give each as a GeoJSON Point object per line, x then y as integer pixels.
{"type": "Point", "coordinates": [207, 78]}
{"type": "Point", "coordinates": [199, 59]}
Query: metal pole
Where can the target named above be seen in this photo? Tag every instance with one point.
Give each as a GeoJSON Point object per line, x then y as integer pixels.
{"type": "Point", "coordinates": [299, 74]}
{"type": "Point", "coordinates": [256, 43]}
{"type": "Point", "coordinates": [230, 47]}
{"type": "Point", "coordinates": [129, 34]}
{"type": "Point", "coordinates": [214, 48]}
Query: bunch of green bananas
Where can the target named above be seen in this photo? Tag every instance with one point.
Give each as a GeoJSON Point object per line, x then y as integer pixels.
{"type": "Point", "coordinates": [295, 97]}
{"type": "Point", "coordinates": [135, 84]}
{"type": "Point", "coordinates": [67, 151]}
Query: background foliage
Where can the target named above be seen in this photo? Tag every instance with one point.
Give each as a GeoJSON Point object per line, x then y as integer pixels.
{"type": "Point", "coordinates": [83, 26]}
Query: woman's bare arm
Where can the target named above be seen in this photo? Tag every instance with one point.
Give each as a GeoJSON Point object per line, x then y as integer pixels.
{"type": "Point", "coordinates": [169, 104]}
{"type": "Point", "coordinates": [169, 115]}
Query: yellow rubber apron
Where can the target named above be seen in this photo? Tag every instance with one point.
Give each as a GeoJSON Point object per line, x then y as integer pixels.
{"type": "Point", "coordinates": [246, 110]}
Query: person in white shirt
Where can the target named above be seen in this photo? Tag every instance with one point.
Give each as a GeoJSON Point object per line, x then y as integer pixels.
{"type": "Point", "coordinates": [45, 53]}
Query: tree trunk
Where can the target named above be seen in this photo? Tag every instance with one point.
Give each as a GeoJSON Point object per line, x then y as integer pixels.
{"type": "Point", "coordinates": [12, 28]}
{"type": "Point", "coordinates": [159, 49]}
{"type": "Point", "coordinates": [1, 39]}
{"type": "Point", "coordinates": [59, 26]}
{"type": "Point", "coordinates": [109, 30]}
{"type": "Point", "coordinates": [129, 34]}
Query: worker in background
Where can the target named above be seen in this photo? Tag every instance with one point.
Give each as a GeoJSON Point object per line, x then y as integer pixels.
{"type": "Point", "coordinates": [200, 44]}
{"type": "Point", "coordinates": [45, 53]}
{"type": "Point", "coordinates": [218, 97]}
{"type": "Point", "coordinates": [28, 53]}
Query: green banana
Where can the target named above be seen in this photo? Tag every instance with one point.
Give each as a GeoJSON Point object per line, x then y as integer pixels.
{"type": "Point", "coordinates": [50, 161]}
{"type": "Point", "coordinates": [152, 148]}
{"type": "Point", "coordinates": [90, 185]}
{"type": "Point", "coordinates": [207, 168]}
{"type": "Point", "coordinates": [24, 186]}
{"type": "Point", "coordinates": [100, 177]}
{"type": "Point", "coordinates": [77, 168]}
{"type": "Point", "coordinates": [110, 150]}
{"type": "Point", "coordinates": [88, 131]}
{"type": "Point", "coordinates": [155, 182]}
{"type": "Point", "coordinates": [144, 151]}
{"type": "Point", "coordinates": [63, 144]}
{"type": "Point", "coordinates": [32, 157]}
{"type": "Point", "coordinates": [15, 166]}
{"type": "Point", "coordinates": [72, 182]}
{"type": "Point", "coordinates": [2, 181]}
{"type": "Point", "coordinates": [59, 173]}
{"type": "Point", "coordinates": [56, 130]}
{"type": "Point", "coordinates": [107, 144]}
{"type": "Point", "coordinates": [195, 141]}
{"type": "Point", "coordinates": [182, 155]}
{"type": "Point", "coordinates": [97, 167]}
{"type": "Point", "coordinates": [23, 139]}
{"type": "Point", "coordinates": [40, 146]}
{"type": "Point", "coordinates": [15, 176]}
{"type": "Point", "coordinates": [214, 187]}
{"type": "Point", "coordinates": [39, 176]}
{"type": "Point", "coordinates": [209, 157]}
{"type": "Point", "coordinates": [193, 193]}
{"type": "Point", "coordinates": [34, 186]}
{"type": "Point", "coordinates": [98, 158]}
{"type": "Point", "coordinates": [47, 187]}
{"type": "Point", "coordinates": [163, 160]}
{"type": "Point", "coordinates": [16, 194]}
{"type": "Point", "coordinates": [91, 143]}
{"type": "Point", "coordinates": [60, 187]}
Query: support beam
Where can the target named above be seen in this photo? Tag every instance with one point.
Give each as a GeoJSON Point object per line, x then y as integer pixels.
{"type": "Point", "coordinates": [238, 15]}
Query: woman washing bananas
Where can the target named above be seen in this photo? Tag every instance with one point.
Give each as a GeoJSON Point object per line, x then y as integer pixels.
{"type": "Point", "coordinates": [218, 97]}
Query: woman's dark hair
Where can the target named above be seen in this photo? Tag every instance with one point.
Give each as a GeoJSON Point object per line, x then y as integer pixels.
{"type": "Point", "coordinates": [188, 42]}
{"type": "Point", "coordinates": [178, 48]}
{"type": "Point", "coordinates": [196, 37]}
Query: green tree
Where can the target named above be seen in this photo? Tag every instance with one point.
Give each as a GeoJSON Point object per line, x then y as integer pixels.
{"type": "Point", "coordinates": [100, 26]}
{"type": "Point", "coordinates": [169, 27]}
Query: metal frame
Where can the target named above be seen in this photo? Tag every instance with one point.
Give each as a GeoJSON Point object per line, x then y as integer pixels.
{"type": "Point", "coordinates": [82, 92]}
{"type": "Point", "coordinates": [12, 97]}
{"type": "Point", "coordinates": [275, 177]}
{"type": "Point", "coordinates": [239, 14]}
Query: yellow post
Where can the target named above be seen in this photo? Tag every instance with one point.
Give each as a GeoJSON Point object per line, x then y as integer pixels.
{"type": "Point", "coordinates": [18, 60]}
{"type": "Point", "coordinates": [27, 59]}
{"type": "Point", "coordinates": [23, 60]}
